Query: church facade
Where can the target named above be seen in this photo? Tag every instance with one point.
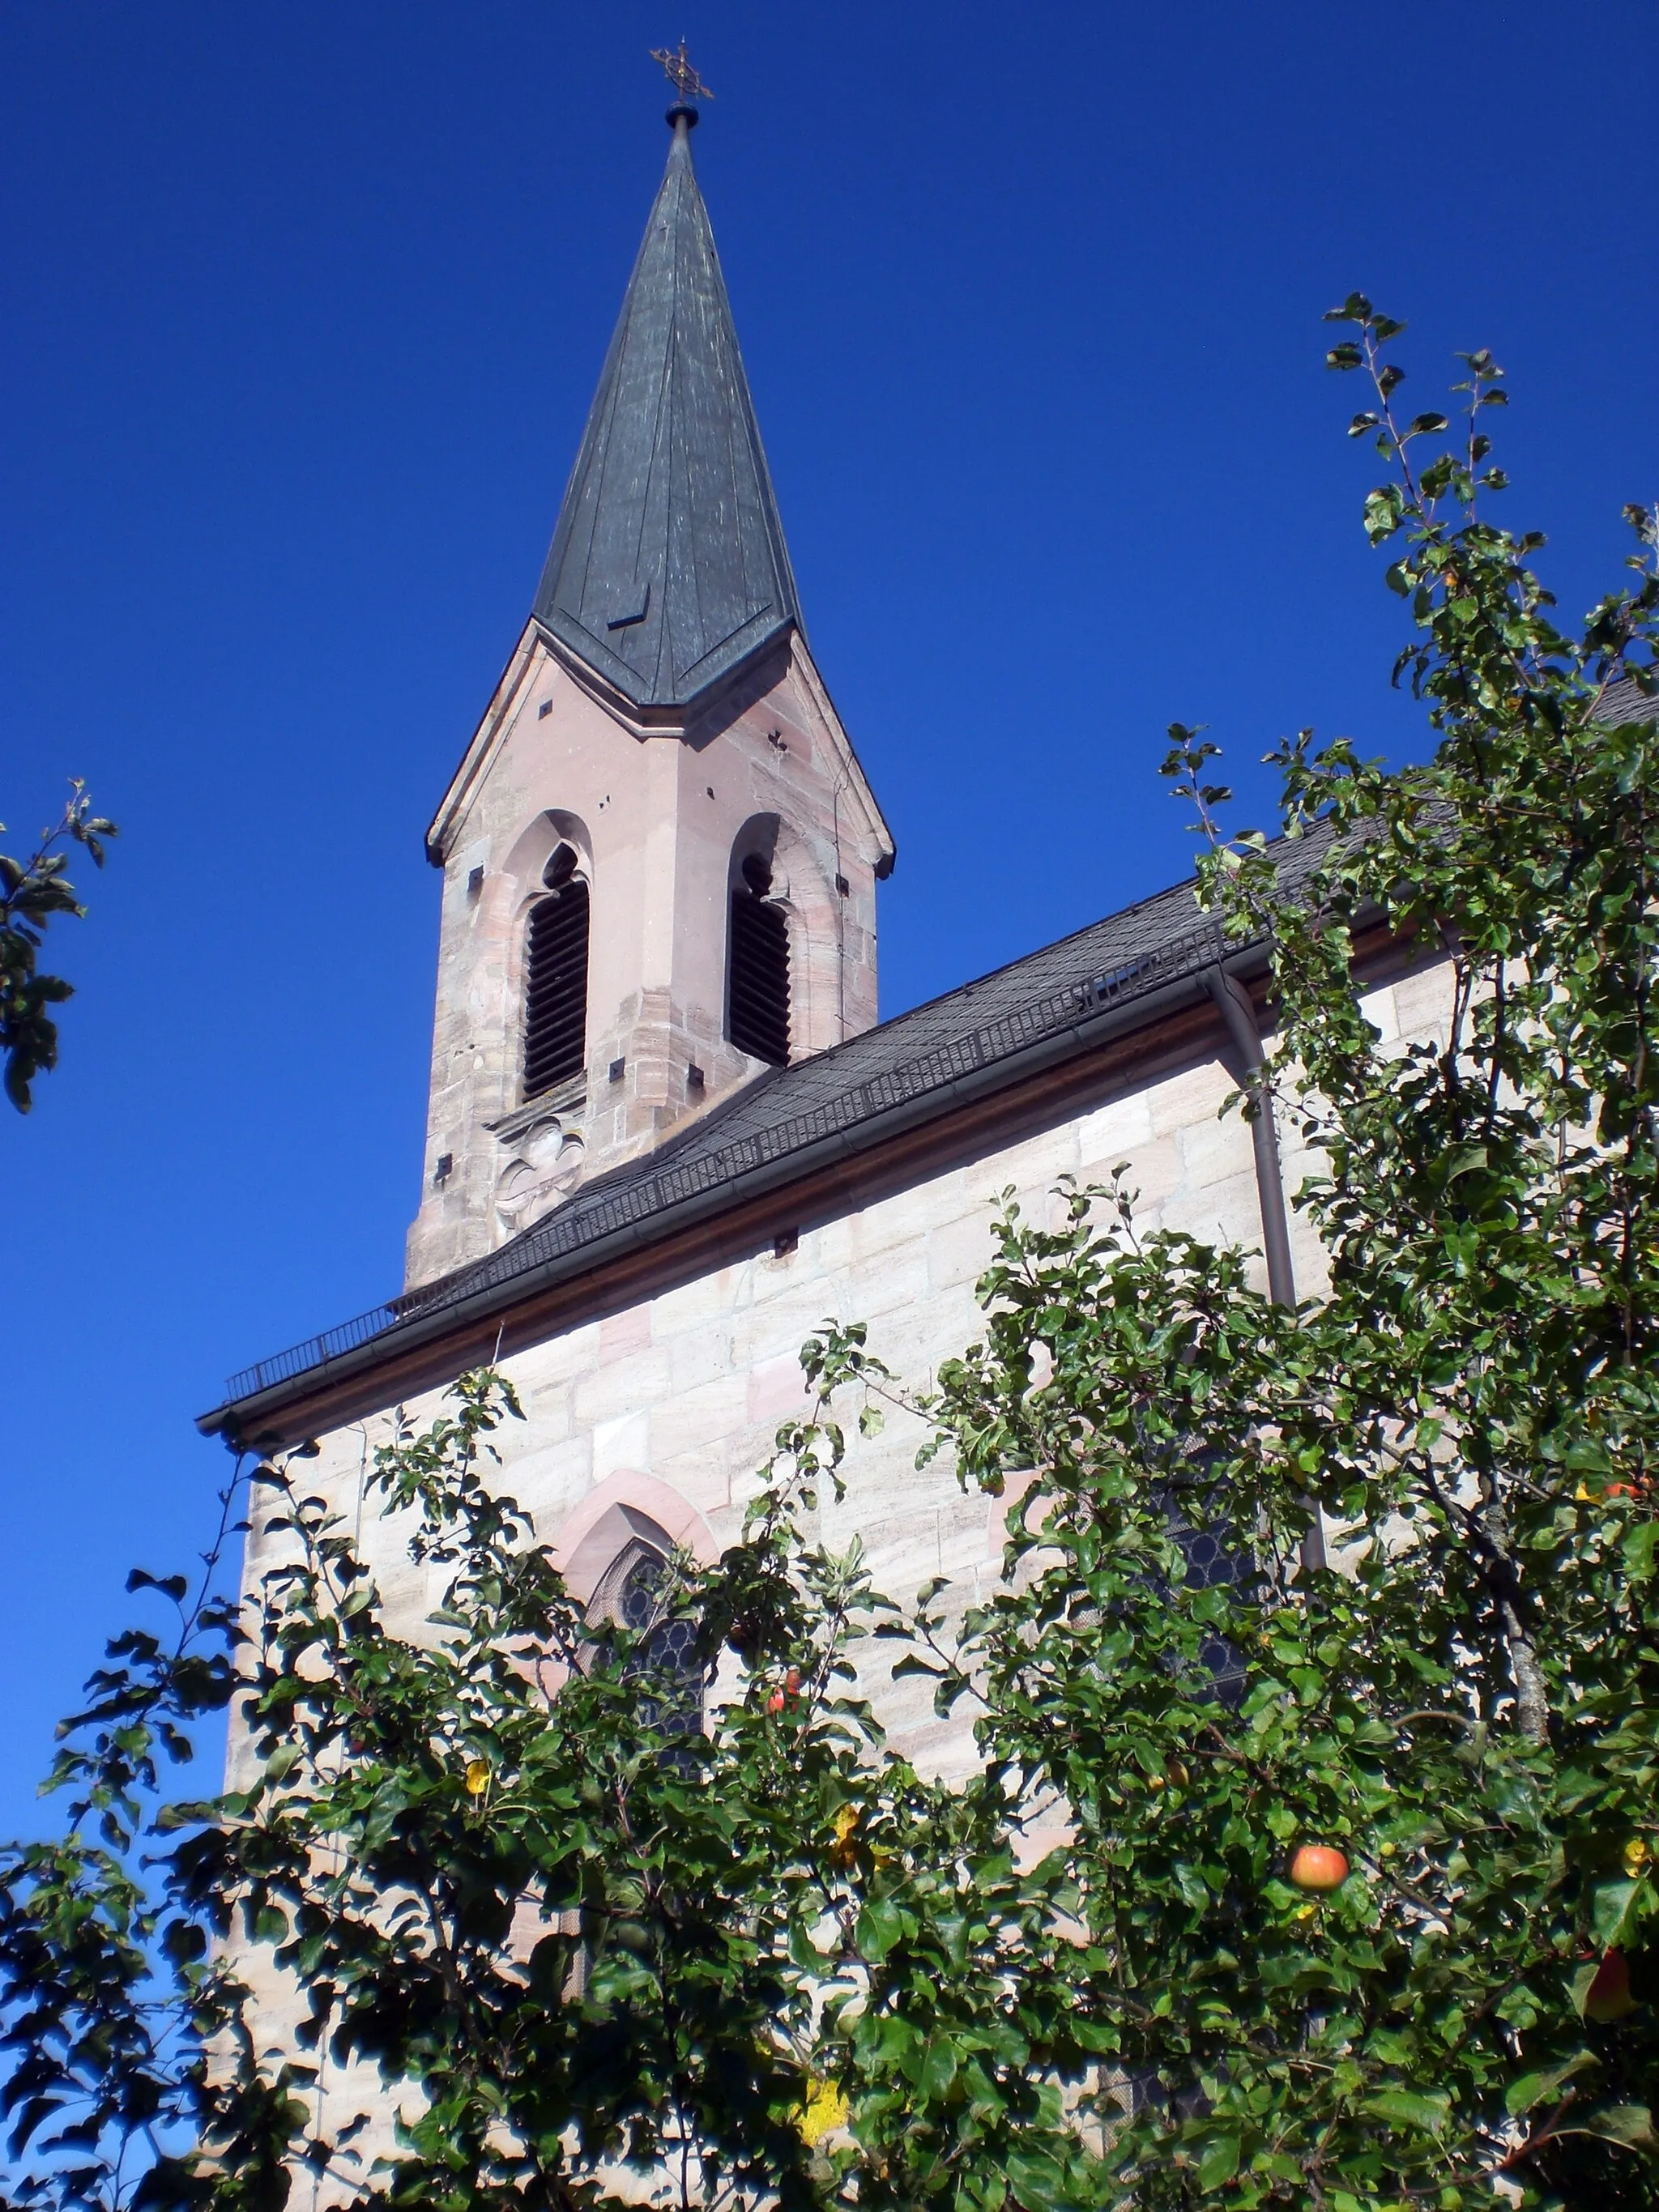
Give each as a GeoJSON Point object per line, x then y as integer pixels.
{"type": "Point", "coordinates": [667, 1135]}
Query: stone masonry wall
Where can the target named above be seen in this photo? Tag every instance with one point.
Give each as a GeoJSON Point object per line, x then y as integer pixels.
{"type": "Point", "coordinates": [671, 1406]}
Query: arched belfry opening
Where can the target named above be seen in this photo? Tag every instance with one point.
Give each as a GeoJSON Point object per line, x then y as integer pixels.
{"type": "Point", "coordinates": [556, 977]}
{"type": "Point", "coordinates": [757, 965]}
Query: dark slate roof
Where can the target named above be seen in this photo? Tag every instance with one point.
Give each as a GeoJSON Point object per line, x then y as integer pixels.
{"type": "Point", "coordinates": [1118, 974]}
{"type": "Point", "coordinates": [668, 566]}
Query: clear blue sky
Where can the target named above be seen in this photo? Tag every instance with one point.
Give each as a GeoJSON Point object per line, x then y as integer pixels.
{"type": "Point", "coordinates": [305, 307]}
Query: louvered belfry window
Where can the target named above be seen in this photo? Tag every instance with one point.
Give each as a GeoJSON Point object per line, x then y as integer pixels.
{"type": "Point", "coordinates": [757, 991]}
{"type": "Point", "coordinates": [556, 979]}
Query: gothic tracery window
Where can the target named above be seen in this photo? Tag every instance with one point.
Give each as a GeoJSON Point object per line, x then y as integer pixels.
{"type": "Point", "coordinates": [1215, 1559]}
{"type": "Point", "coordinates": [556, 979]}
{"type": "Point", "coordinates": [634, 1595]}
{"type": "Point", "coordinates": [758, 968]}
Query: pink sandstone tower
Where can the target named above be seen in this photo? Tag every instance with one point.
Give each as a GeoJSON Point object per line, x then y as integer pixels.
{"type": "Point", "coordinates": [660, 852]}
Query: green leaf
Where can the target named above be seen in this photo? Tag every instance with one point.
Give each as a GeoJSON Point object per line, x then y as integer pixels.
{"type": "Point", "coordinates": [938, 2070]}
{"type": "Point", "coordinates": [1621, 2123]}
{"type": "Point", "coordinates": [1611, 1909]}
{"type": "Point", "coordinates": [1220, 2162]}
{"type": "Point", "coordinates": [879, 1928]}
{"type": "Point", "coordinates": [1531, 2089]}
{"type": "Point", "coordinates": [1429, 2110]}
{"type": "Point", "coordinates": [1038, 2184]}
{"type": "Point", "coordinates": [1583, 1978]}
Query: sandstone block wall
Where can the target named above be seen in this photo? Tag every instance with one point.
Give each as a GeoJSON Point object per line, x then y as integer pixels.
{"type": "Point", "coordinates": [678, 1397]}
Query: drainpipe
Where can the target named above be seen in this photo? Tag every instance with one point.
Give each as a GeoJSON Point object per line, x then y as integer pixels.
{"type": "Point", "coordinates": [1238, 1011]}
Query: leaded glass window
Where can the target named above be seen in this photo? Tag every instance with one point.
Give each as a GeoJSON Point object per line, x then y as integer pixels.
{"type": "Point", "coordinates": [670, 1676]}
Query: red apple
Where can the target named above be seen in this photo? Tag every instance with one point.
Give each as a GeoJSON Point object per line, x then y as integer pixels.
{"type": "Point", "coordinates": [1609, 1996]}
{"type": "Point", "coordinates": [1318, 1866]}
{"type": "Point", "coordinates": [775, 1702]}
{"type": "Point", "coordinates": [792, 1681]}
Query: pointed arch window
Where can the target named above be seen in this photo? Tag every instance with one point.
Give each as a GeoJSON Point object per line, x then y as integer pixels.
{"type": "Point", "coordinates": [758, 968]}
{"type": "Point", "coordinates": [556, 979]}
{"type": "Point", "coordinates": [1213, 1557]}
{"type": "Point", "coordinates": [636, 1594]}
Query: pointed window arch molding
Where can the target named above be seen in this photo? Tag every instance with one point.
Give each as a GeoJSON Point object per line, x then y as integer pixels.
{"type": "Point", "coordinates": [613, 1551]}
{"type": "Point", "coordinates": [627, 1507]}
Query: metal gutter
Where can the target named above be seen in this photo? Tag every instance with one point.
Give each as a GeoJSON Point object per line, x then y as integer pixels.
{"type": "Point", "coordinates": [1238, 1011]}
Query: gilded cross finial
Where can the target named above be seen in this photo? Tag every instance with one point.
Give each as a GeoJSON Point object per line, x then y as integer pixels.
{"type": "Point", "coordinates": [680, 74]}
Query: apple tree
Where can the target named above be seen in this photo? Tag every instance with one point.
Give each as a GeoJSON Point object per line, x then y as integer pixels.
{"type": "Point", "coordinates": [1460, 1711]}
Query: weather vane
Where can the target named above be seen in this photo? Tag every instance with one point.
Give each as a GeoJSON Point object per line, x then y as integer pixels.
{"type": "Point", "coordinates": [680, 74]}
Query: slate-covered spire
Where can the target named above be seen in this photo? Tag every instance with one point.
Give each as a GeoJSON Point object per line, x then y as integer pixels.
{"type": "Point", "coordinates": [668, 566]}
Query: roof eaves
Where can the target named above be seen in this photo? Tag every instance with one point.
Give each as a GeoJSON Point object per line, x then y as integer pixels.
{"type": "Point", "coordinates": [486, 1289]}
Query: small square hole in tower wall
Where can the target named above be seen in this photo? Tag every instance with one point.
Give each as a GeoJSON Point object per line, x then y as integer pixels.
{"type": "Point", "coordinates": [543, 710]}
{"type": "Point", "coordinates": [474, 882]}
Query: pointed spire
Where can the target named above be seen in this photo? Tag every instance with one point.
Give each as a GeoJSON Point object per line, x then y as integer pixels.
{"type": "Point", "coordinates": [668, 566]}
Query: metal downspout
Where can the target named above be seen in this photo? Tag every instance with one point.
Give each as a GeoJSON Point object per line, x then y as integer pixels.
{"type": "Point", "coordinates": [1238, 1011]}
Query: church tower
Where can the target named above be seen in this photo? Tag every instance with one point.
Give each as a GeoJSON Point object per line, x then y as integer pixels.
{"type": "Point", "coordinates": [659, 853]}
